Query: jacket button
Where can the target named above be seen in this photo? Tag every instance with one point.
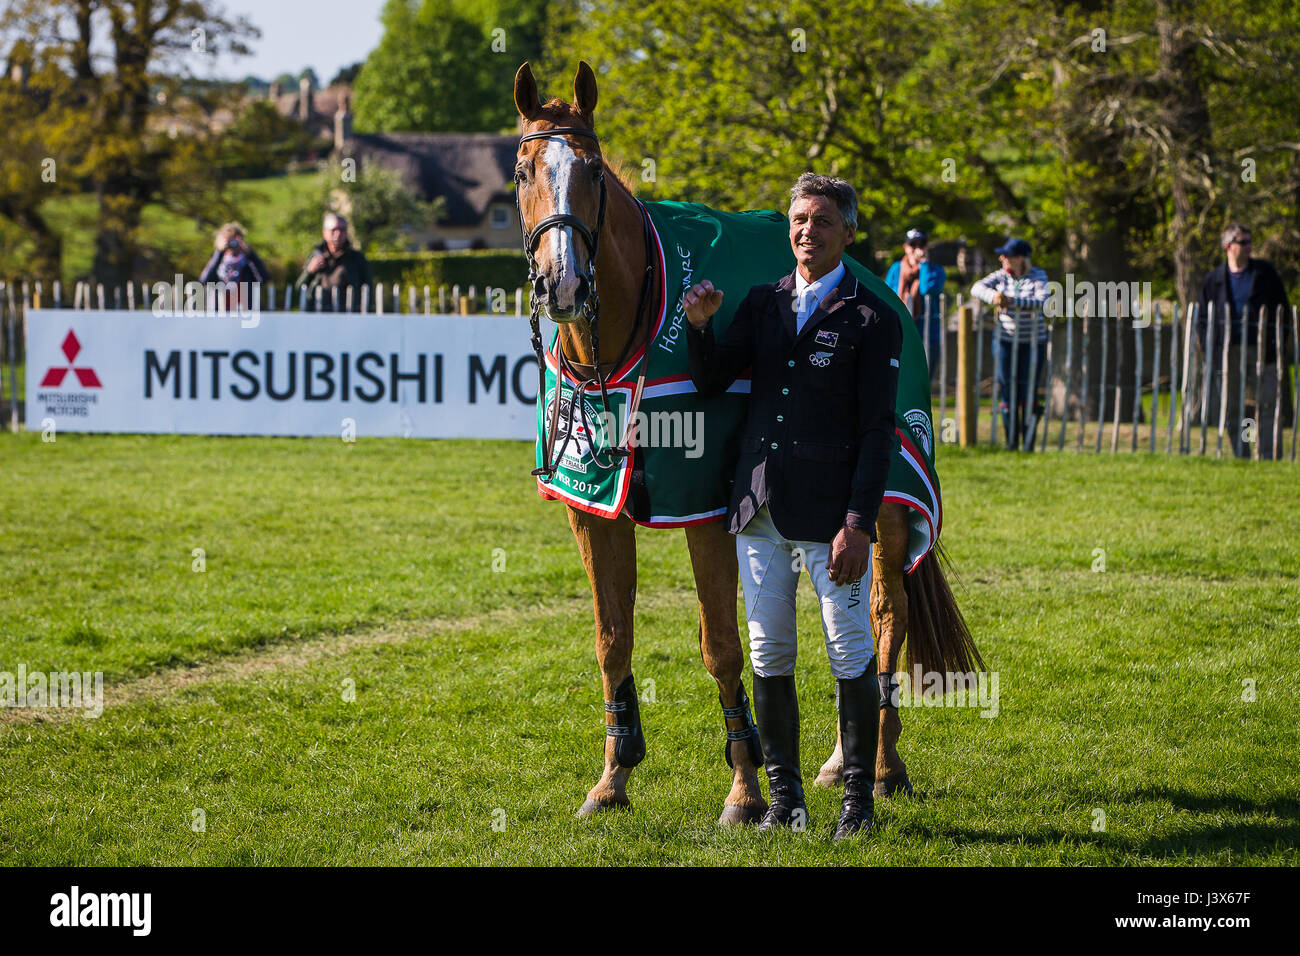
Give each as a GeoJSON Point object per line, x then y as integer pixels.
{"type": "Point", "coordinates": [774, 444]}
{"type": "Point", "coordinates": [790, 363]}
{"type": "Point", "coordinates": [785, 391]}
{"type": "Point", "coordinates": [780, 418]}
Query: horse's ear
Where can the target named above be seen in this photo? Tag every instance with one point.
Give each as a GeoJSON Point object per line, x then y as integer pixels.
{"type": "Point", "coordinates": [584, 90]}
{"type": "Point", "coordinates": [527, 102]}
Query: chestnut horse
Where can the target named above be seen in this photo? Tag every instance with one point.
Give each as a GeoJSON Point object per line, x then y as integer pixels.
{"type": "Point", "coordinates": [587, 246]}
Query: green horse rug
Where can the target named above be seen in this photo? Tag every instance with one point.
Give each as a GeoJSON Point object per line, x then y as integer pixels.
{"type": "Point", "coordinates": [684, 446]}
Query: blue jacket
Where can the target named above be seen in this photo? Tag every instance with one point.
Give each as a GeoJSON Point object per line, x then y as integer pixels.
{"type": "Point", "coordinates": [932, 279]}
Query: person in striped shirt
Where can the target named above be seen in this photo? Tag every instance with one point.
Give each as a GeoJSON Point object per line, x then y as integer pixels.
{"type": "Point", "coordinates": [1017, 292]}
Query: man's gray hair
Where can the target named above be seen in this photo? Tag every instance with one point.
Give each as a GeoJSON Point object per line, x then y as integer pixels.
{"type": "Point", "coordinates": [836, 190]}
{"type": "Point", "coordinates": [1233, 231]}
{"type": "Point", "coordinates": [333, 217]}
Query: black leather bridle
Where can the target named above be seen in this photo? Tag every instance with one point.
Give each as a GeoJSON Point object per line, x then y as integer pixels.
{"type": "Point", "coordinates": [590, 311]}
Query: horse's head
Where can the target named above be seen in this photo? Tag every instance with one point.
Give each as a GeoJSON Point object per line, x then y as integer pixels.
{"type": "Point", "coordinates": [560, 186]}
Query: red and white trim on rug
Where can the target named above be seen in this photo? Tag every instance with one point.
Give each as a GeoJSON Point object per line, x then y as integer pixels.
{"type": "Point", "coordinates": [554, 491]}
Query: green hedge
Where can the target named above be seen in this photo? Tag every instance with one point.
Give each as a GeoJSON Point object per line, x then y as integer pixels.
{"type": "Point", "coordinates": [473, 267]}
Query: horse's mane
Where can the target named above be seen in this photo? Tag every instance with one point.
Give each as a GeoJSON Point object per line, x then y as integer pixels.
{"type": "Point", "coordinates": [559, 112]}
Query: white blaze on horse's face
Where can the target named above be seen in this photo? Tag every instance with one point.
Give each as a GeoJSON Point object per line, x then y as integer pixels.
{"type": "Point", "coordinates": [561, 181]}
{"type": "Point", "coordinates": [561, 160]}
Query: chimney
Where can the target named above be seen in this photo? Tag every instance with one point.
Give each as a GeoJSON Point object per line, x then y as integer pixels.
{"type": "Point", "coordinates": [342, 122]}
{"type": "Point", "coordinates": [304, 98]}
{"type": "Point", "coordinates": [274, 94]}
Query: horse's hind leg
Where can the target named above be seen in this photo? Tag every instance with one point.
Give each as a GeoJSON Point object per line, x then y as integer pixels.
{"type": "Point", "coordinates": [889, 628]}
{"type": "Point", "coordinates": [608, 549]}
{"type": "Point", "coordinates": [713, 558]}
{"type": "Point", "coordinates": [889, 609]}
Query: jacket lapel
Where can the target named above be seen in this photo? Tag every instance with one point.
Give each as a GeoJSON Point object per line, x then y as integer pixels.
{"type": "Point", "coordinates": [835, 299]}
{"type": "Point", "coordinates": [785, 305]}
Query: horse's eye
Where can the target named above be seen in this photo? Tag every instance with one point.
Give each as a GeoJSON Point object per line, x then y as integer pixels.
{"type": "Point", "coordinates": [596, 170]}
{"type": "Point", "coordinates": [521, 175]}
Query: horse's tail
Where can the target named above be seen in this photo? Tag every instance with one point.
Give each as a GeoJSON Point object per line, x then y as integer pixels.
{"type": "Point", "coordinates": [937, 636]}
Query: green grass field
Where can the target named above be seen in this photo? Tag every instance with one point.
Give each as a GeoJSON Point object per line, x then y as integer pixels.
{"type": "Point", "coordinates": [366, 571]}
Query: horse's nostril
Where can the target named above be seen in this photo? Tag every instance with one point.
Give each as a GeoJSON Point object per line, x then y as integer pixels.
{"type": "Point", "coordinates": [583, 288]}
{"type": "Point", "coordinates": [539, 287]}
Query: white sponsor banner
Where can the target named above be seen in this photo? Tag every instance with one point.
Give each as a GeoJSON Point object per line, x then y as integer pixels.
{"type": "Point", "coordinates": [290, 374]}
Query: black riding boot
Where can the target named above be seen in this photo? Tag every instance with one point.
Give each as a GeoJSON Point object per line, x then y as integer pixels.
{"type": "Point", "coordinates": [859, 729]}
{"type": "Point", "coordinates": [777, 708]}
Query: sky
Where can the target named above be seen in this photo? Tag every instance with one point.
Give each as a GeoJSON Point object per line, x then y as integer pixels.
{"type": "Point", "coordinates": [323, 34]}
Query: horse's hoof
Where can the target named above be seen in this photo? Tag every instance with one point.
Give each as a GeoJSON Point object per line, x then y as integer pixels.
{"type": "Point", "coordinates": [832, 771]}
{"type": "Point", "coordinates": [592, 807]}
{"type": "Point", "coordinates": [741, 814]}
{"type": "Point", "coordinates": [829, 777]}
{"type": "Point", "coordinates": [893, 785]}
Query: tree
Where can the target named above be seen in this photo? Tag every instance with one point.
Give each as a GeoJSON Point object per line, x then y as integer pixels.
{"type": "Point", "coordinates": [1115, 136]}
{"type": "Point", "coordinates": [259, 142]}
{"type": "Point", "coordinates": [130, 154]}
{"type": "Point", "coordinates": [42, 126]}
{"type": "Point", "coordinates": [729, 109]}
{"type": "Point", "coordinates": [376, 202]}
{"type": "Point", "coordinates": [347, 74]}
{"type": "Point", "coordinates": [444, 65]}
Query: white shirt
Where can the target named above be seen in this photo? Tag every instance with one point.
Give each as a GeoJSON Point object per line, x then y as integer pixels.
{"type": "Point", "coordinates": [808, 295]}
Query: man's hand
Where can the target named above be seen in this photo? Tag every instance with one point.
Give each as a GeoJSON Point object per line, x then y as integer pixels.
{"type": "Point", "coordinates": [315, 263]}
{"type": "Point", "coordinates": [850, 556]}
{"type": "Point", "coordinates": [1002, 301]}
{"type": "Point", "coordinates": [700, 302]}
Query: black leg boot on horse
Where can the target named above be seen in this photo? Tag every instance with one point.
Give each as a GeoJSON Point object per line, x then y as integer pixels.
{"type": "Point", "coordinates": [624, 746]}
{"type": "Point", "coordinates": [859, 700]}
{"type": "Point", "coordinates": [776, 705]}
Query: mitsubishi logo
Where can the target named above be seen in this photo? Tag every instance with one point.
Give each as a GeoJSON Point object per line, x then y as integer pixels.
{"type": "Point", "coordinates": [86, 376]}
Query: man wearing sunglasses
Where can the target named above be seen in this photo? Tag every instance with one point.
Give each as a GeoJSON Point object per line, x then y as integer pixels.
{"type": "Point", "coordinates": [1239, 288]}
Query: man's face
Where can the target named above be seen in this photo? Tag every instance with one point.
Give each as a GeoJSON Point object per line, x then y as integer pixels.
{"type": "Point", "coordinates": [1240, 245]}
{"type": "Point", "coordinates": [818, 235]}
{"type": "Point", "coordinates": [915, 255]}
{"type": "Point", "coordinates": [336, 234]}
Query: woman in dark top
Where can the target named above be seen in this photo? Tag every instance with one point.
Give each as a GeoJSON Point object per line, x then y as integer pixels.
{"type": "Point", "coordinates": [234, 261]}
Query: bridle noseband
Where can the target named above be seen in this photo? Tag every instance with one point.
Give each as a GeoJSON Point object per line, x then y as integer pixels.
{"type": "Point", "coordinates": [590, 311]}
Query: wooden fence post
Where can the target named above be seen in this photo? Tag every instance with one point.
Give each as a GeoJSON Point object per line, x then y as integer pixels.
{"type": "Point", "coordinates": [943, 362]}
{"type": "Point", "coordinates": [967, 395]}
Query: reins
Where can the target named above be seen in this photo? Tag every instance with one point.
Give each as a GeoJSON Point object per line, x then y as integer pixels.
{"type": "Point", "coordinates": [591, 312]}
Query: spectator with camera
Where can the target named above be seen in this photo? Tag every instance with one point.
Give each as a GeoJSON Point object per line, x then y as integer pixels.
{"type": "Point", "coordinates": [335, 264]}
{"type": "Point", "coordinates": [235, 265]}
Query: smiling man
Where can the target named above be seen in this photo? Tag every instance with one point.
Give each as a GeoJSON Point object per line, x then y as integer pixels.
{"type": "Point", "coordinates": [815, 455]}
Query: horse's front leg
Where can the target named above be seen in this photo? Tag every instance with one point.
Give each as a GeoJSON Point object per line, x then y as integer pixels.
{"type": "Point", "coordinates": [713, 559]}
{"type": "Point", "coordinates": [608, 551]}
{"type": "Point", "coordinates": [889, 629]}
